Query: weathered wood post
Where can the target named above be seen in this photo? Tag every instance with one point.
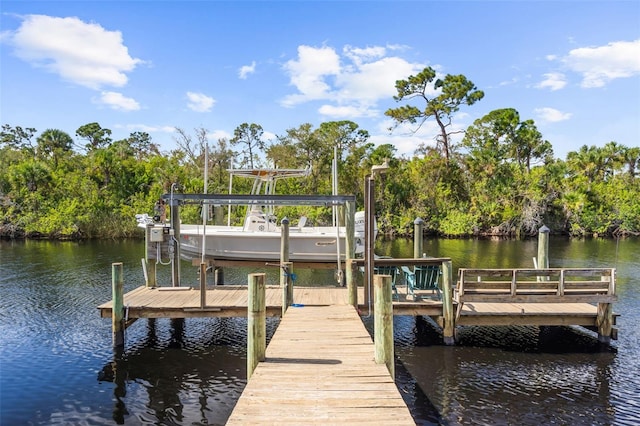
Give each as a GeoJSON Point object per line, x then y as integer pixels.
{"type": "Point", "coordinates": [284, 240]}
{"type": "Point", "coordinates": [352, 284]}
{"type": "Point", "coordinates": [349, 245]}
{"type": "Point", "coordinates": [203, 284]}
{"type": "Point", "coordinates": [218, 214]}
{"type": "Point", "coordinates": [448, 314]}
{"type": "Point", "coordinates": [286, 281]}
{"type": "Point", "coordinates": [174, 235]}
{"type": "Point", "coordinates": [369, 243]}
{"type": "Point", "coordinates": [117, 311]}
{"type": "Point", "coordinates": [543, 247]}
{"type": "Point", "coordinates": [284, 258]}
{"type": "Point", "coordinates": [383, 322]}
{"type": "Point", "coordinates": [418, 226]}
{"type": "Point", "coordinates": [604, 319]}
{"type": "Point", "coordinates": [150, 260]}
{"type": "Point", "coordinates": [256, 322]}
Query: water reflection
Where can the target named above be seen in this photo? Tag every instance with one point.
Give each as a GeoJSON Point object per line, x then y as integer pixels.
{"type": "Point", "coordinates": [180, 371]}
{"type": "Point", "coordinates": [58, 366]}
{"type": "Point", "coordinates": [512, 375]}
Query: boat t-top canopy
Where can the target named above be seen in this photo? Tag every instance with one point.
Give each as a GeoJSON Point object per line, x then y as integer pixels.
{"type": "Point", "coordinates": [245, 199]}
{"type": "Point", "coordinates": [269, 174]}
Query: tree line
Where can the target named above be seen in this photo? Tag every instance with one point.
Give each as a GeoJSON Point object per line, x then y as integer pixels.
{"type": "Point", "coordinates": [498, 177]}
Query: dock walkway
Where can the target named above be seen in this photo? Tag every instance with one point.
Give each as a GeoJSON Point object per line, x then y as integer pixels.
{"type": "Point", "coordinates": [320, 369]}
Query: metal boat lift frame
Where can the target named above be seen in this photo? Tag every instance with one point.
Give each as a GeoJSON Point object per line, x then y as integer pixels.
{"type": "Point", "coordinates": [176, 199]}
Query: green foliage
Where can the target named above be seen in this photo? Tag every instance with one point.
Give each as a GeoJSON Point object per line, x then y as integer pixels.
{"type": "Point", "coordinates": [458, 224]}
{"type": "Point", "coordinates": [452, 91]}
{"type": "Point", "coordinates": [505, 181]}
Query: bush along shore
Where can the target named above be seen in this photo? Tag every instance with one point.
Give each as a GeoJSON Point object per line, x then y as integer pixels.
{"type": "Point", "coordinates": [487, 185]}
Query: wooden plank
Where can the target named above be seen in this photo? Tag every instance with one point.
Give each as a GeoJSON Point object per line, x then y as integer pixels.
{"type": "Point", "coordinates": [319, 369]}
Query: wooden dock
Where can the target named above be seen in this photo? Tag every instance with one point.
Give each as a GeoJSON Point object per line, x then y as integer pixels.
{"type": "Point", "coordinates": [231, 301]}
{"type": "Point", "coordinates": [320, 369]}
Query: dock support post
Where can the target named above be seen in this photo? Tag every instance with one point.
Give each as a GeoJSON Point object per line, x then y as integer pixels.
{"type": "Point", "coordinates": [350, 244]}
{"type": "Point", "coordinates": [218, 214]}
{"type": "Point", "coordinates": [418, 226]}
{"type": "Point", "coordinates": [448, 314]}
{"type": "Point", "coordinates": [286, 283]}
{"type": "Point", "coordinates": [284, 268]}
{"type": "Point", "coordinates": [175, 241]}
{"type": "Point", "coordinates": [543, 247]}
{"type": "Point", "coordinates": [369, 243]}
{"type": "Point", "coordinates": [352, 284]}
{"type": "Point", "coordinates": [383, 322]}
{"type": "Point", "coordinates": [604, 321]}
{"type": "Point", "coordinates": [256, 323]}
{"type": "Point", "coordinates": [149, 266]}
{"type": "Point", "coordinates": [117, 311]}
{"type": "Point", "coordinates": [203, 284]}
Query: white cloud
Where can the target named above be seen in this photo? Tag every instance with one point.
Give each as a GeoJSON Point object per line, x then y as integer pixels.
{"type": "Point", "coordinates": [218, 134]}
{"type": "Point", "coordinates": [599, 65]}
{"type": "Point", "coordinates": [359, 55]}
{"type": "Point", "coordinates": [553, 81]}
{"type": "Point", "coordinates": [346, 111]}
{"type": "Point", "coordinates": [372, 81]}
{"type": "Point", "coordinates": [552, 115]}
{"type": "Point", "coordinates": [200, 102]}
{"type": "Point", "coordinates": [118, 101]}
{"type": "Point", "coordinates": [355, 83]}
{"type": "Point", "coordinates": [245, 70]}
{"type": "Point", "coordinates": [83, 53]}
{"type": "Point", "coordinates": [308, 73]}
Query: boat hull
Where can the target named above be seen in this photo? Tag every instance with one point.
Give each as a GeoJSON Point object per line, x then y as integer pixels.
{"type": "Point", "coordinates": [222, 242]}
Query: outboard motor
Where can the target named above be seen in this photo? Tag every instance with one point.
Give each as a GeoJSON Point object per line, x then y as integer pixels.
{"type": "Point", "coordinates": [360, 231]}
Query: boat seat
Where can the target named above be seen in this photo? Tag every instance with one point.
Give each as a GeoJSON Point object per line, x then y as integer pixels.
{"type": "Point", "coordinates": [422, 278]}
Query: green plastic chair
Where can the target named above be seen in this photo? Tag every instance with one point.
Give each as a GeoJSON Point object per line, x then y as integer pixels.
{"type": "Point", "coordinates": [388, 270]}
{"type": "Point", "coordinates": [422, 278]}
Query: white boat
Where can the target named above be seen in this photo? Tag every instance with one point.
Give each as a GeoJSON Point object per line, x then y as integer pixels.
{"type": "Point", "coordinates": [259, 238]}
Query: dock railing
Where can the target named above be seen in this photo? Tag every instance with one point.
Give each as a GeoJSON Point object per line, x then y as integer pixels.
{"type": "Point", "coordinates": [558, 285]}
{"type": "Point", "coordinates": [550, 285]}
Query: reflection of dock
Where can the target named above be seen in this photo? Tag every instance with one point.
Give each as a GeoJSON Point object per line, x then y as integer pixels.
{"type": "Point", "coordinates": [319, 369]}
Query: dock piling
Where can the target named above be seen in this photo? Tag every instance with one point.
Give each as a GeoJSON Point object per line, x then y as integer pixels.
{"type": "Point", "coordinates": [117, 313]}
{"type": "Point", "coordinates": [418, 226]}
{"type": "Point", "coordinates": [256, 322]}
{"type": "Point", "coordinates": [287, 294]}
{"type": "Point", "coordinates": [543, 247]}
{"type": "Point", "coordinates": [203, 285]}
{"type": "Point", "coordinates": [449, 321]}
{"type": "Point", "coordinates": [286, 282]}
{"type": "Point", "coordinates": [383, 322]}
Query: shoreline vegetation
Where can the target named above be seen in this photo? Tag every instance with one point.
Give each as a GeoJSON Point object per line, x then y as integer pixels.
{"type": "Point", "coordinates": [498, 177]}
{"type": "Point", "coordinates": [54, 188]}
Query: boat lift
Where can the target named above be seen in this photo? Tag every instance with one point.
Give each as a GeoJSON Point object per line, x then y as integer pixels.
{"type": "Point", "coordinates": [175, 200]}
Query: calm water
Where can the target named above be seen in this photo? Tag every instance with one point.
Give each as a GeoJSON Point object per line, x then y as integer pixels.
{"type": "Point", "coordinates": [57, 365]}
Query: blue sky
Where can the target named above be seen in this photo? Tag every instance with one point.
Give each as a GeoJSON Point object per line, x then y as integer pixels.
{"type": "Point", "coordinates": [571, 66]}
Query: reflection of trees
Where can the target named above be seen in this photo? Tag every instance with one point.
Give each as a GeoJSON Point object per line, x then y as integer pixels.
{"type": "Point", "coordinates": [498, 374]}
{"type": "Point", "coordinates": [180, 376]}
